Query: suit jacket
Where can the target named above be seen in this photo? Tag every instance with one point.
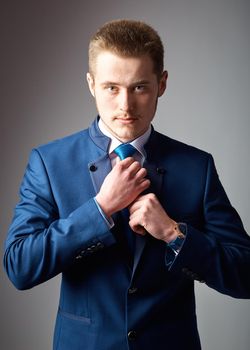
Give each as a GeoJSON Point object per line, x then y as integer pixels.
{"type": "Point", "coordinates": [105, 302]}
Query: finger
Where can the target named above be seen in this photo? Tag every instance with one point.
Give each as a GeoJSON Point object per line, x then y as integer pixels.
{"type": "Point", "coordinates": [125, 163]}
{"type": "Point", "coordinates": [134, 167]}
{"type": "Point", "coordinates": [134, 207]}
{"type": "Point", "coordinates": [141, 173]}
{"type": "Point", "coordinates": [137, 203]}
{"type": "Point", "coordinates": [142, 185]}
{"type": "Point", "coordinates": [137, 228]}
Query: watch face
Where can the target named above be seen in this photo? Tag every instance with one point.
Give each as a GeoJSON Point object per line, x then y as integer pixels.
{"type": "Point", "coordinates": [177, 243]}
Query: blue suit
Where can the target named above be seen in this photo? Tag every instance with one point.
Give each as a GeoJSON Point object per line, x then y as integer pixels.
{"type": "Point", "coordinates": [107, 303]}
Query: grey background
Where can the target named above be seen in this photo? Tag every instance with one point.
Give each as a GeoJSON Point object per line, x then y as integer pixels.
{"type": "Point", "coordinates": [44, 96]}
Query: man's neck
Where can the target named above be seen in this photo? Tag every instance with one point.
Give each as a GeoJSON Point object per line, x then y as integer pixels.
{"type": "Point", "coordinates": [138, 143]}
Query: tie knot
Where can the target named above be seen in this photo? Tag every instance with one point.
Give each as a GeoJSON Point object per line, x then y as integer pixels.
{"type": "Point", "coordinates": [125, 150]}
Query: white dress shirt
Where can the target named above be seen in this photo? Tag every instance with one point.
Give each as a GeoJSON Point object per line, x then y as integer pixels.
{"type": "Point", "coordinates": [138, 144]}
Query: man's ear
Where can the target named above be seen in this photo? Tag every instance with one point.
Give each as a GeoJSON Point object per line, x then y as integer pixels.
{"type": "Point", "coordinates": [91, 84]}
{"type": "Point", "coordinates": [163, 83]}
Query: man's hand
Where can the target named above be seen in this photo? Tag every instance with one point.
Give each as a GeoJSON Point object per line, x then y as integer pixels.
{"type": "Point", "coordinates": [126, 181]}
{"type": "Point", "coordinates": [147, 215]}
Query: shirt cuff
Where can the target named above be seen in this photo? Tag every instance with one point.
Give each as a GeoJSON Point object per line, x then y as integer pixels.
{"type": "Point", "coordinates": [109, 221]}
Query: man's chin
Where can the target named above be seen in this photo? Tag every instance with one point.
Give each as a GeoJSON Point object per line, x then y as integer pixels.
{"type": "Point", "coordinates": [126, 135]}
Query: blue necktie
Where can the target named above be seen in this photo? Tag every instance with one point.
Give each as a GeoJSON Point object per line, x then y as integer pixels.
{"type": "Point", "coordinates": [125, 150]}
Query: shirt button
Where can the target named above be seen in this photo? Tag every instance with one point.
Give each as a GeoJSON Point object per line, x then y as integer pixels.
{"type": "Point", "coordinates": [132, 290]}
{"type": "Point", "coordinates": [132, 335]}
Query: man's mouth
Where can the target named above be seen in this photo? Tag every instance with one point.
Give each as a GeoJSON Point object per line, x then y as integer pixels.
{"type": "Point", "coordinates": [126, 120]}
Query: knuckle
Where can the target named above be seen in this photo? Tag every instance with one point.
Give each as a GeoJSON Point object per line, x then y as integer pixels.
{"type": "Point", "coordinates": [143, 171]}
{"type": "Point", "coordinates": [151, 197]}
{"type": "Point", "coordinates": [121, 165]}
{"type": "Point", "coordinates": [140, 175]}
{"type": "Point", "coordinates": [136, 164]}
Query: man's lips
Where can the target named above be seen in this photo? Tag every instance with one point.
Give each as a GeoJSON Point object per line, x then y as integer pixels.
{"type": "Point", "coordinates": [126, 120]}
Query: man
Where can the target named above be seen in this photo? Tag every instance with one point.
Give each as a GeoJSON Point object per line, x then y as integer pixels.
{"type": "Point", "coordinates": [130, 227]}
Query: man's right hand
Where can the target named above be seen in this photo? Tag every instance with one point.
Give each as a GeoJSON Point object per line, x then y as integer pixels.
{"type": "Point", "coordinates": [122, 186]}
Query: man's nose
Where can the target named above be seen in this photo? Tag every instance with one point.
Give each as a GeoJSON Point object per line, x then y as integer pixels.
{"type": "Point", "coordinates": [126, 100]}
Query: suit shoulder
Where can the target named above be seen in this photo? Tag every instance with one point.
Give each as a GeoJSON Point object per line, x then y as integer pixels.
{"type": "Point", "coordinates": [174, 147]}
{"type": "Point", "coordinates": [64, 143]}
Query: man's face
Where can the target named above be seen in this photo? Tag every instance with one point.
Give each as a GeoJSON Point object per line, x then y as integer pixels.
{"type": "Point", "coordinates": [126, 91]}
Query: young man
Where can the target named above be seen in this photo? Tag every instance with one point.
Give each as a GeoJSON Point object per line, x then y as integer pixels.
{"type": "Point", "coordinates": [130, 227]}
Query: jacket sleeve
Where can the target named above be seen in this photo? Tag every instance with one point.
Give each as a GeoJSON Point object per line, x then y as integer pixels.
{"type": "Point", "coordinates": [219, 252]}
{"type": "Point", "coordinates": [40, 244]}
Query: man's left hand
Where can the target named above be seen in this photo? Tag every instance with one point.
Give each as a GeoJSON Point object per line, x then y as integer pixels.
{"type": "Point", "coordinates": [148, 216]}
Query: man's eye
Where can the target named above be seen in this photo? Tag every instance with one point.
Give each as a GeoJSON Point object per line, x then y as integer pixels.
{"type": "Point", "coordinates": [140, 88]}
{"type": "Point", "coordinates": [111, 88]}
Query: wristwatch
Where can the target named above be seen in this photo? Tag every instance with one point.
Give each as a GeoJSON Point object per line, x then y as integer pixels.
{"type": "Point", "coordinates": [176, 244]}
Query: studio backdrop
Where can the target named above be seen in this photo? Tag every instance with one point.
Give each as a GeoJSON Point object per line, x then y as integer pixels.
{"type": "Point", "coordinates": [44, 96]}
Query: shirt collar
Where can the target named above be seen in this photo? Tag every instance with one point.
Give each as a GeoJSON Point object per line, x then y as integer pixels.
{"type": "Point", "coordinates": [138, 143]}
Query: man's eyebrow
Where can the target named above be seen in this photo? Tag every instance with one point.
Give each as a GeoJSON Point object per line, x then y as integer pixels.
{"type": "Point", "coordinates": [109, 83]}
{"type": "Point", "coordinates": [139, 82]}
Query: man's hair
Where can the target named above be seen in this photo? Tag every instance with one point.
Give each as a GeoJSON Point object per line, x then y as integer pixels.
{"type": "Point", "coordinates": [127, 38]}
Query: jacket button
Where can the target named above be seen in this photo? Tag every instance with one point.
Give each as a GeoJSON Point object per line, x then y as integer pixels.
{"type": "Point", "coordinates": [99, 245]}
{"type": "Point", "coordinates": [161, 171]}
{"type": "Point", "coordinates": [92, 167]}
{"type": "Point", "coordinates": [132, 290]}
{"type": "Point", "coordinates": [132, 335]}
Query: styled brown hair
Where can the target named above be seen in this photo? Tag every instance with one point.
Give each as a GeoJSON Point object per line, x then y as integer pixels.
{"type": "Point", "coordinates": [127, 38]}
